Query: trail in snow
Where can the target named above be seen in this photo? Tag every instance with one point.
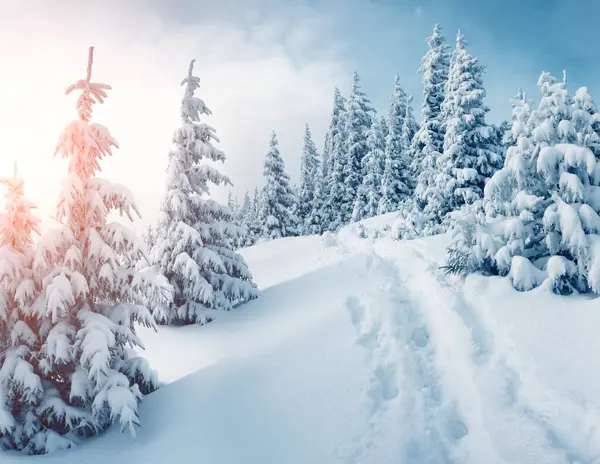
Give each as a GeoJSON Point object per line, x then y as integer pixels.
{"type": "Point", "coordinates": [442, 387]}
{"type": "Point", "coordinates": [552, 427]}
{"type": "Point", "coordinates": [407, 420]}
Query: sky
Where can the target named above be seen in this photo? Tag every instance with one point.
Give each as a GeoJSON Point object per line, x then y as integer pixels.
{"type": "Point", "coordinates": [264, 64]}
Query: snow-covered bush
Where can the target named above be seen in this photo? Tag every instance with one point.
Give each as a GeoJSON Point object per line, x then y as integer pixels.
{"type": "Point", "coordinates": [545, 202]}
{"type": "Point", "coordinates": [469, 229]}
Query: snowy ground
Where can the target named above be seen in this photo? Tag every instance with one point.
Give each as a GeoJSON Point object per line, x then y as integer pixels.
{"type": "Point", "coordinates": [363, 351]}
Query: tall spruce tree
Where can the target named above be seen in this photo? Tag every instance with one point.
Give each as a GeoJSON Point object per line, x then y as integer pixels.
{"type": "Point", "coordinates": [472, 152]}
{"type": "Point", "coordinates": [370, 192]}
{"type": "Point", "coordinates": [195, 235]}
{"type": "Point", "coordinates": [276, 216]}
{"type": "Point", "coordinates": [428, 142]}
{"type": "Point", "coordinates": [396, 181]}
{"type": "Point", "coordinates": [359, 119]}
{"type": "Point", "coordinates": [309, 177]}
{"type": "Point", "coordinates": [334, 187]}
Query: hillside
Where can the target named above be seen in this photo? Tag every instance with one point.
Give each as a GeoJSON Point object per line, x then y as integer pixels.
{"type": "Point", "coordinates": [363, 351]}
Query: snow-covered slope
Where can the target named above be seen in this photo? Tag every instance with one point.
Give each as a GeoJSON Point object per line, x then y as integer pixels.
{"type": "Point", "coordinates": [363, 351]}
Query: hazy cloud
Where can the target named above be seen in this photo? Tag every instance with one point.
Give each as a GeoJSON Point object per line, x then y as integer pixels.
{"type": "Point", "coordinates": [274, 72]}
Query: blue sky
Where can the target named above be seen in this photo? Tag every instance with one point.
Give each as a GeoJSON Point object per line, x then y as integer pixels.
{"type": "Point", "coordinates": [516, 40]}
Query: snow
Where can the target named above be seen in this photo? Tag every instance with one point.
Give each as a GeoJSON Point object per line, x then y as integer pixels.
{"type": "Point", "coordinates": [572, 155]}
{"type": "Point", "coordinates": [524, 275]}
{"type": "Point", "coordinates": [361, 350]}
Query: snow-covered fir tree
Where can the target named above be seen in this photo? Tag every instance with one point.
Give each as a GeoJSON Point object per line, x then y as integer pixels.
{"type": "Point", "coordinates": [409, 129]}
{"type": "Point", "coordinates": [334, 188]}
{"type": "Point", "coordinates": [253, 222]}
{"type": "Point", "coordinates": [234, 207]}
{"type": "Point", "coordinates": [317, 221]}
{"type": "Point", "coordinates": [276, 215]}
{"type": "Point", "coordinates": [20, 386]}
{"type": "Point", "coordinates": [472, 153]}
{"type": "Point", "coordinates": [519, 121]}
{"type": "Point", "coordinates": [359, 118]}
{"type": "Point", "coordinates": [396, 180]}
{"type": "Point", "coordinates": [325, 158]}
{"type": "Point", "coordinates": [428, 142]}
{"type": "Point", "coordinates": [314, 224]}
{"type": "Point", "coordinates": [195, 235]}
{"type": "Point", "coordinates": [417, 217]}
{"type": "Point", "coordinates": [309, 165]}
{"type": "Point", "coordinates": [76, 372]}
{"type": "Point", "coordinates": [231, 202]}
{"type": "Point", "coordinates": [464, 254]}
{"type": "Point", "coordinates": [370, 192]}
{"type": "Point", "coordinates": [549, 189]}
{"type": "Point", "coordinates": [246, 218]}
{"type": "Point", "coordinates": [586, 119]}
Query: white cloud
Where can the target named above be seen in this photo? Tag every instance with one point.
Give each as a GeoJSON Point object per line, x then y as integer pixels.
{"type": "Point", "coordinates": [265, 73]}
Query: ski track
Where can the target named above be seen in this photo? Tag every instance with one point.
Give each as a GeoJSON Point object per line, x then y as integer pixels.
{"type": "Point", "coordinates": [445, 385]}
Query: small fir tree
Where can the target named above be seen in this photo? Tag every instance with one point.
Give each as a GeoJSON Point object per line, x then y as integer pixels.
{"type": "Point", "coordinates": [309, 176]}
{"type": "Point", "coordinates": [276, 216]}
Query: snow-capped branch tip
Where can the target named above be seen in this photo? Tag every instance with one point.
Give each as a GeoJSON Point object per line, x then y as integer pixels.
{"type": "Point", "coordinates": [191, 82]}
{"type": "Point", "coordinates": [90, 63]}
{"type": "Point", "coordinates": [191, 68]}
{"type": "Point", "coordinates": [14, 184]}
{"type": "Point", "coordinates": [91, 92]}
{"type": "Point", "coordinates": [460, 40]}
{"type": "Point", "coordinates": [565, 77]}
